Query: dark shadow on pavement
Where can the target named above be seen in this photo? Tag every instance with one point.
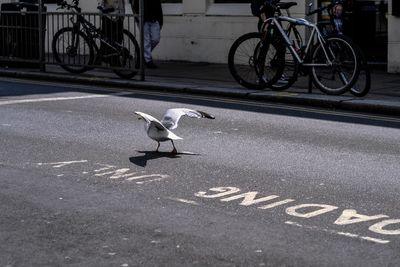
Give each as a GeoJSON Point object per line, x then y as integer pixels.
{"type": "Point", "coordinates": [390, 85]}
{"type": "Point", "coordinates": [151, 155]}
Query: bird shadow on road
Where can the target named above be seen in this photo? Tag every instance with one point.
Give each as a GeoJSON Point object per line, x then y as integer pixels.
{"type": "Point", "coordinates": [151, 155]}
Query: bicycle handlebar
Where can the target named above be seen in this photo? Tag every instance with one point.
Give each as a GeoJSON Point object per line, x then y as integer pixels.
{"type": "Point", "coordinates": [26, 4]}
{"type": "Point", "coordinates": [318, 10]}
{"type": "Point", "coordinates": [272, 3]}
{"type": "Point", "coordinates": [64, 4]}
{"type": "Point", "coordinates": [331, 5]}
{"type": "Point", "coordinates": [75, 5]}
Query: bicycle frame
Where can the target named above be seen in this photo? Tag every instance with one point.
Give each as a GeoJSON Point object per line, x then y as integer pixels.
{"type": "Point", "coordinates": [91, 31]}
{"type": "Point", "coordinates": [87, 26]}
{"type": "Point", "coordinates": [315, 34]}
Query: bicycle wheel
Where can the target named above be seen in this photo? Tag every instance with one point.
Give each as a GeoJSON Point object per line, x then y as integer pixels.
{"type": "Point", "coordinates": [250, 61]}
{"type": "Point", "coordinates": [73, 50]}
{"type": "Point", "coordinates": [363, 83]}
{"type": "Point", "coordinates": [338, 77]}
{"type": "Point", "coordinates": [128, 57]}
{"type": "Point", "coordinates": [241, 60]}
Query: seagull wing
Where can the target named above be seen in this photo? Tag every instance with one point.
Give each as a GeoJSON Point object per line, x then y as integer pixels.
{"type": "Point", "coordinates": [172, 116]}
{"type": "Point", "coordinates": [148, 118]}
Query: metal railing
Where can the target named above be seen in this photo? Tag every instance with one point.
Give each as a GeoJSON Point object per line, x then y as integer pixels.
{"type": "Point", "coordinates": [78, 42]}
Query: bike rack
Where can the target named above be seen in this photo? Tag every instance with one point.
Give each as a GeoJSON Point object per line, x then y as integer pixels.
{"type": "Point", "coordinates": [44, 30]}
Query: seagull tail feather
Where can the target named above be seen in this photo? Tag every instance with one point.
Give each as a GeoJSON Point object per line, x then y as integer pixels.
{"type": "Point", "coordinates": [206, 115]}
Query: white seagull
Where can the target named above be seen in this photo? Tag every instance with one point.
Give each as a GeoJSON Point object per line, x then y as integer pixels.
{"type": "Point", "coordinates": [160, 131]}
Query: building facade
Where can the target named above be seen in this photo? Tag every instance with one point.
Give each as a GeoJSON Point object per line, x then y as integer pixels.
{"type": "Point", "coordinates": [204, 30]}
{"type": "Point", "coordinates": [394, 36]}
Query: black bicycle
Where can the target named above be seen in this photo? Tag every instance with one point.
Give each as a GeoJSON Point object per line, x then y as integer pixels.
{"type": "Point", "coordinates": [76, 49]}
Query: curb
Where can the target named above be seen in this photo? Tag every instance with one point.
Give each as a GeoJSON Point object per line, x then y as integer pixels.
{"type": "Point", "coordinates": [336, 102]}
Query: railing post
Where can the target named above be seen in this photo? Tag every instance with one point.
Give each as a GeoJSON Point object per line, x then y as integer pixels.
{"type": "Point", "coordinates": [41, 36]}
{"type": "Point", "coordinates": [141, 25]}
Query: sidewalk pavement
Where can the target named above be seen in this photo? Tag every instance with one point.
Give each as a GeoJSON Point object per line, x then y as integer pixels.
{"type": "Point", "coordinates": [215, 79]}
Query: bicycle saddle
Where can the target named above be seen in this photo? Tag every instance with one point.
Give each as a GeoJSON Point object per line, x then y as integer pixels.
{"type": "Point", "coordinates": [286, 5]}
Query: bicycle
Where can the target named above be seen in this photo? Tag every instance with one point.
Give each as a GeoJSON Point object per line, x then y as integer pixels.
{"type": "Point", "coordinates": [245, 50]}
{"type": "Point", "coordinates": [76, 50]}
{"type": "Point", "coordinates": [335, 25]}
{"type": "Point", "coordinates": [319, 54]}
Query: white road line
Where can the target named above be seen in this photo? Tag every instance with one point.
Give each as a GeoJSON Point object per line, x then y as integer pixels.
{"type": "Point", "coordinates": [153, 180]}
{"type": "Point", "coordinates": [49, 99]}
{"type": "Point", "coordinates": [146, 176]}
{"type": "Point", "coordinates": [351, 235]}
{"type": "Point", "coordinates": [62, 163]}
{"type": "Point", "coordinates": [376, 240]}
{"type": "Point", "coordinates": [183, 201]}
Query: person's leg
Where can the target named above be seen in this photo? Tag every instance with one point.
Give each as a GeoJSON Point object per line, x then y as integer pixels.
{"type": "Point", "coordinates": [155, 34]}
{"type": "Point", "coordinates": [147, 42]}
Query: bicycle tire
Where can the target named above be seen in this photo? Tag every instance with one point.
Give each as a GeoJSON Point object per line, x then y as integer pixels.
{"type": "Point", "coordinates": [72, 60]}
{"type": "Point", "coordinates": [244, 62]}
{"type": "Point", "coordinates": [244, 72]}
{"type": "Point", "coordinates": [128, 50]}
{"type": "Point", "coordinates": [337, 46]}
{"type": "Point", "coordinates": [363, 84]}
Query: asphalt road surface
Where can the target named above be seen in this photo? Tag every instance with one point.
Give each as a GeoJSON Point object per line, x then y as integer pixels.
{"type": "Point", "coordinates": [261, 185]}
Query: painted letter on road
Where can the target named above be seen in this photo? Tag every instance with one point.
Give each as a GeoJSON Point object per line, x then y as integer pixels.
{"type": "Point", "coordinates": [321, 209]}
{"type": "Point", "coordinates": [223, 191]}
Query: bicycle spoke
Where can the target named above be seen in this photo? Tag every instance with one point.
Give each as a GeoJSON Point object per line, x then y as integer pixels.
{"type": "Point", "coordinates": [338, 77]}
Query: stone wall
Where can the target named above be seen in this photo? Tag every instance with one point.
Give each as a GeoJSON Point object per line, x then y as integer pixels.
{"type": "Point", "coordinates": [394, 41]}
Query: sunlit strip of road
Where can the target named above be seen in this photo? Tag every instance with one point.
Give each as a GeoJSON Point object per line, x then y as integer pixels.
{"type": "Point", "coordinates": [50, 99]}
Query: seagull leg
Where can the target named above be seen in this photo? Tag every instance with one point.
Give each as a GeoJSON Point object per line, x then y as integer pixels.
{"type": "Point", "coordinates": [158, 146]}
{"type": "Point", "coordinates": [174, 151]}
